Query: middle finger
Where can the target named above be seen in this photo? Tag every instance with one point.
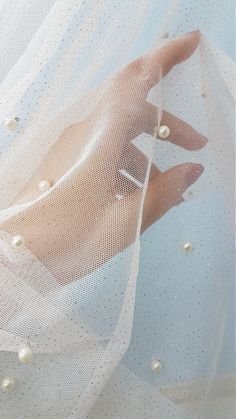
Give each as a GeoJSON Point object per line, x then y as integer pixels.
{"type": "Point", "coordinates": [181, 133]}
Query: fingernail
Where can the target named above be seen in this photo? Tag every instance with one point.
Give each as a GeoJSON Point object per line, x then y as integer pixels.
{"type": "Point", "coordinates": [192, 32]}
{"type": "Point", "coordinates": [202, 141]}
{"type": "Point", "coordinates": [193, 172]}
{"type": "Point", "coordinates": [205, 139]}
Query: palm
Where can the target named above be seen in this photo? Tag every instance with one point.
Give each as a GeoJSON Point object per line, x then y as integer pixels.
{"type": "Point", "coordinates": [94, 214]}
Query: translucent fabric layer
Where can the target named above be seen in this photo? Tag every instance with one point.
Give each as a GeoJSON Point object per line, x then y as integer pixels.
{"type": "Point", "coordinates": [116, 210]}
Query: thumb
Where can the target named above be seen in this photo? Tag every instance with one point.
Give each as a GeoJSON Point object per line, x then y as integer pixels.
{"type": "Point", "coordinates": [165, 191]}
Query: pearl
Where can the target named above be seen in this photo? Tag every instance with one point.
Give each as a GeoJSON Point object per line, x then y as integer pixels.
{"type": "Point", "coordinates": [188, 247]}
{"type": "Point", "coordinates": [163, 131]}
{"type": "Point", "coordinates": [25, 354]}
{"type": "Point", "coordinates": [18, 241]}
{"type": "Point", "coordinates": [44, 185]}
{"type": "Point", "coordinates": [156, 366]}
{"type": "Point", "coordinates": [11, 123]}
{"type": "Point", "coordinates": [7, 384]}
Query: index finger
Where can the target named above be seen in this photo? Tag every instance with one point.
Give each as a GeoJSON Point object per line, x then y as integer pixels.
{"type": "Point", "coordinates": [154, 65]}
{"type": "Point", "coordinates": [172, 53]}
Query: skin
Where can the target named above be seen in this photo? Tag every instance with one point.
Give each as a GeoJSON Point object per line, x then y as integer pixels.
{"type": "Point", "coordinates": [86, 214]}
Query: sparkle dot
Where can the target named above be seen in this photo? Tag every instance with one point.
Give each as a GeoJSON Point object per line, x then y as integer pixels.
{"type": "Point", "coordinates": [165, 35]}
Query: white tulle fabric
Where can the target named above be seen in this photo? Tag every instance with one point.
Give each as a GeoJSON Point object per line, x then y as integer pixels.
{"type": "Point", "coordinates": [71, 292]}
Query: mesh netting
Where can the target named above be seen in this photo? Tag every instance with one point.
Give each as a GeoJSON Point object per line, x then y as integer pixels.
{"type": "Point", "coordinates": [116, 163]}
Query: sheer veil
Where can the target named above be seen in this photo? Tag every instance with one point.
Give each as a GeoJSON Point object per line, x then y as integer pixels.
{"type": "Point", "coordinates": [106, 312]}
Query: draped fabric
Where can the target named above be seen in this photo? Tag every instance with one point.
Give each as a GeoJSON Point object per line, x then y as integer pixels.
{"type": "Point", "coordinates": [117, 209]}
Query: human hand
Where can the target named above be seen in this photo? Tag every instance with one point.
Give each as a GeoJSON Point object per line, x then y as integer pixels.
{"type": "Point", "coordinates": [94, 213]}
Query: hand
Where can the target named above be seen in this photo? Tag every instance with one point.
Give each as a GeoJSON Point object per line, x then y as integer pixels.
{"type": "Point", "coordinates": [94, 213]}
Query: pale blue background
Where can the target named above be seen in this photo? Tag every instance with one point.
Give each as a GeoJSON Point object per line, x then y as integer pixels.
{"type": "Point", "coordinates": [164, 296]}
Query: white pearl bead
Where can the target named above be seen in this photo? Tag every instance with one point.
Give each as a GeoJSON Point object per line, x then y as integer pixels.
{"type": "Point", "coordinates": [7, 384]}
{"type": "Point", "coordinates": [18, 241]}
{"type": "Point", "coordinates": [25, 354]}
{"type": "Point", "coordinates": [188, 247]}
{"type": "Point", "coordinates": [11, 123]}
{"type": "Point", "coordinates": [156, 366]}
{"type": "Point", "coordinates": [163, 131]}
{"type": "Point", "coordinates": [44, 185]}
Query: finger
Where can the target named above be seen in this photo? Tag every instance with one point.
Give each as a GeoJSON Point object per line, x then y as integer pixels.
{"type": "Point", "coordinates": [135, 162]}
{"type": "Point", "coordinates": [154, 65]}
{"type": "Point", "coordinates": [173, 52]}
{"type": "Point", "coordinates": [181, 133]}
{"type": "Point", "coordinates": [132, 172]}
{"type": "Point", "coordinates": [154, 172]}
{"type": "Point", "coordinates": [165, 191]}
{"type": "Point", "coordinates": [130, 123]}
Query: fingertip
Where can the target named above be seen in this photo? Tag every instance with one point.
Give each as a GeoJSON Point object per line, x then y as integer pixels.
{"type": "Point", "coordinates": [200, 143]}
{"type": "Point", "coordinates": [194, 34]}
{"type": "Point", "coordinates": [193, 39]}
{"type": "Point", "coordinates": [193, 172]}
{"type": "Point", "coordinates": [179, 49]}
